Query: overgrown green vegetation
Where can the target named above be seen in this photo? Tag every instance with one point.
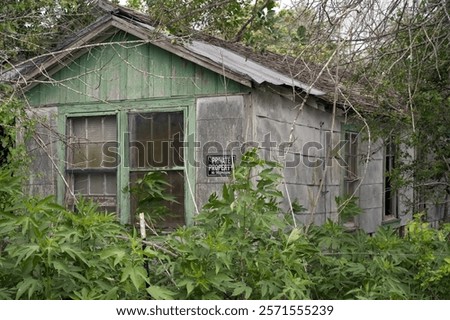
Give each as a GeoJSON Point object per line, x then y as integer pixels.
{"type": "Point", "coordinates": [411, 72]}
{"type": "Point", "coordinates": [242, 247]}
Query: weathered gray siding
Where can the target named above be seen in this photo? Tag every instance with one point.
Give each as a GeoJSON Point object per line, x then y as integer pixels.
{"type": "Point", "coordinates": [42, 149]}
{"type": "Point", "coordinates": [221, 128]}
{"type": "Point", "coordinates": [284, 120]}
{"type": "Point", "coordinates": [371, 190]}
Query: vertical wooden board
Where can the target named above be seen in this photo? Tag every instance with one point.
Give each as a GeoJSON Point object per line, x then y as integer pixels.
{"type": "Point", "coordinates": [183, 76]}
{"type": "Point", "coordinates": [70, 82]}
{"type": "Point", "coordinates": [149, 80]}
{"type": "Point", "coordinates": [205, 81]}
{"type": "Point", "coordinates": [236, 87]}
{"type": "Point", "coordinates": [55, 91]}
{"type": "Point", "coordinates": [105, 72]}
{"type": "Point", "coordinates": [48, 93]}
{"type": "Point", "coordinates": [112, 65]}
{"type": "Point", "coordinates": [106, 64]}
{"type": "Point", "coordinates": [123, 69]}
{"type": "Point", "coordinates": [227, 86]}
{"type": "Point", "coordinates": [120, 66]}
{"type": "Point", "coordinates": [33, 96]}
{"type": "Point", "coordinates": [137, 68]}
{"type": "Point", "coordinates": [161, 64]}
{"type": "Point", "coordinates": [93, 76]}
{"type": "Point", "coordinates": [123, 198]}
{"type": "Point", "coordinates": [82, 78]}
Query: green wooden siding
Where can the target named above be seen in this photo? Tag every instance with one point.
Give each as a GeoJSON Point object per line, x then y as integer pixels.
{"type": "Point", "coordinates": [129, 72]}
{"type": "Point", "coordinates": [122, 78]}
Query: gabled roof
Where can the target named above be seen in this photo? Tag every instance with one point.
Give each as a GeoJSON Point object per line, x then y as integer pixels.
{"type": "Point", "coordinates": [233, 60]}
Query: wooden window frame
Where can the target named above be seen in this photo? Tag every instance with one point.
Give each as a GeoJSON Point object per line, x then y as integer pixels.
{"type": "Point", "coordinates": [171, 167]}
{"type": "Point", "coordinates": [350, 175]}
{"type": "Point", "coordinates": [390, 196]}
{"type": "Point", "coordinates": [121, 110]}
{"type": "Point", "coordinates": [105, 199]}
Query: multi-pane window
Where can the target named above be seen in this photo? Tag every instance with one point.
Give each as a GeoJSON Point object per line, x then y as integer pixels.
{"type": "Point", "coordinates": [390, 197]}
{"type": "Point", "coordinates": [350, 163]}
{"type": "Point", "coordinates": [156, 145]}
{"type": "Point", "coordinates": [152, 141]}
{"type": "Point", "coordinates": [92, 160]}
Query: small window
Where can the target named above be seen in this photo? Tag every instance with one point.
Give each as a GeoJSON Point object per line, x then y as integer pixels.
{"type": "Point", "coordinates": [390, 196]}
{"type": "Point", "coordinates": [351, 177]}
{"type": "Point", "coordinates": [91, 166]}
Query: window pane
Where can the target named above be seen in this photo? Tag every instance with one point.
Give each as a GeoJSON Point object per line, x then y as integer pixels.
{"type": "Point", "coordinates": [140, 137]}
{"type": "Point", "coordinates": [141, 125]}
{"type": "Point", "coordinates": [175, 211]}
{"type": "Point", "coordinates": [99, 187]}
{"type": "Point", "coordinates": [160, 126]}
{"type": "Point", "coordinates": [93, 145]}
{"type": "Point", "coordinates": [81, 184]}
{"type": "Point", "coordinates": [109, 129]}
{"type": "Point", "coordinates": [94, 155]}
{"type": "Point", "coordinates": [156, 139]}
{"type": "Point", "coordinates": [110, 155]}
{"type": "Point", "coordinates": [78, 155]}
{"type": "Point", "coordinates": [111, 184]}
{"type": "Point", "coordinates": [93, 142]}
{"type": "Point", "coordinates": [177, 137]}
{"type": "Point", "coordinates": [158, 153]}
{"type": "Point", "coordinates": [79, 127]}
{"type": "Point", "coordinates": [94, 129]}
{"type": "Point", "coordinates": [95, 183]}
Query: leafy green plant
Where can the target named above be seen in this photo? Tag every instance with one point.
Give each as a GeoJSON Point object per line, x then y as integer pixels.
{"type": "Point", "coordinates": [51, 253]}
{"type": "Point", "coordinates": [238, 243]}
{"type": "Point", "coordinates": [242, 246]}
{"type": "Point", "coordinates": [242, 239]}
{"type": "Point", "coordinates": [151, 196]}
{"type": "Point", "coordinates": [347, 208]}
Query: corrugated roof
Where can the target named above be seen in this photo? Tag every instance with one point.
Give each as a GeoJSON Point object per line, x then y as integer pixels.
{"type": "Point", "coordinates": [239, 64]}
{"type": "Point", "coordinates": [235, 60]}
{"type": "Point", "coordinates": [248, 67]}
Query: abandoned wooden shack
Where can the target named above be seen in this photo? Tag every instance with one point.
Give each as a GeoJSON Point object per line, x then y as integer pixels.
{"type": "Point", "coordinates": [120, 99]}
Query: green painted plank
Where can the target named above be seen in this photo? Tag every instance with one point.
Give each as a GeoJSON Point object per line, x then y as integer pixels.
{"type": "Point", "coordinates": [149, 78]}
{"type": "Point", "coordinates": [190, 128]}
{"type": "Point", "coordinates": [111, 72]}
{"type": "Point", "coordinates": [50, 93]}
{"type": "Point", "coordinates": [235, 87]}
{"type": "Point", "coordinates": [205, 81]}
{"type": "Point", "coordinates": [70, 82]}
{"type": "Point", "coordinates": [122, 72]}
{"type": "Point", "coordinates": [136, 72]}
{"type": "Point", "coordinates": [227, 86]}
{"type": "Point", "coordinates": [82, 78]}
{"type": "Point", "coordinates": [183, 76]}
{"type": "Point", "coordinates": [161, 64]}
{"type": "Point", "coordinates": [93, 76]}
{"type": "Point", "coordinates": [33, 96]}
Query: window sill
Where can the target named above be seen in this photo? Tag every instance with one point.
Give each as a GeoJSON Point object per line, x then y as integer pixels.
{"type": "Point", "coordinates": [390, 221]}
